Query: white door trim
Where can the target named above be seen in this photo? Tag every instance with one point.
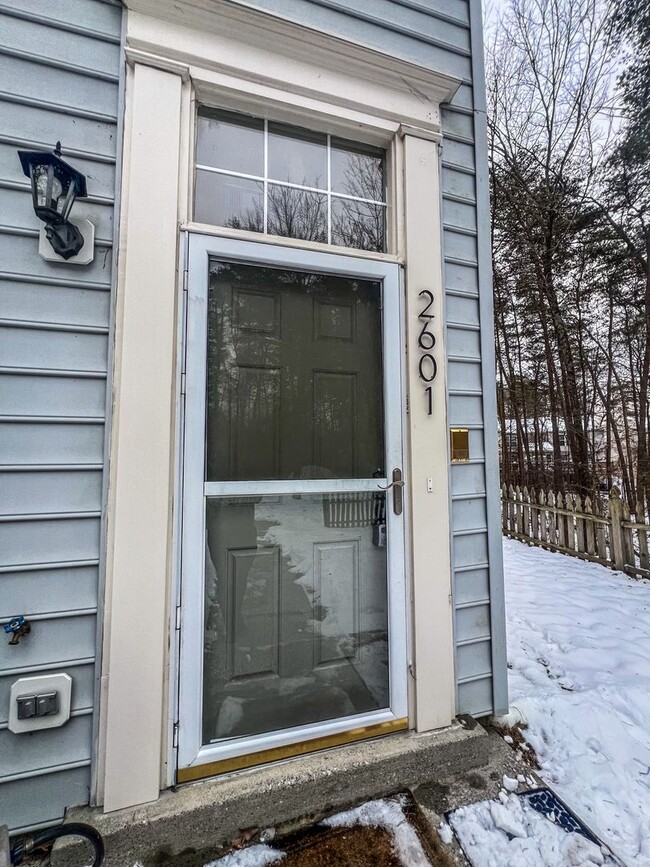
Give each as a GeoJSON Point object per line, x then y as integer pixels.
{"type": "Point", "coordinates": [201, 249]}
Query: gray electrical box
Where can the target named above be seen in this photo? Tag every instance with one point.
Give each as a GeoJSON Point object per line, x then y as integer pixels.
{"type": "Point", "coordinates": [37, 705]}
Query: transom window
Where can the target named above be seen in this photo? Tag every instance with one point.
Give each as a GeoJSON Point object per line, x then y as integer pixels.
{"type": "Point", "coordinates": [262, 176]}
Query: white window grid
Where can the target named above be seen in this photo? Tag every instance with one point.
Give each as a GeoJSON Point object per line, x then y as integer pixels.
{"type": "Point", "coordinates": [266, 180]}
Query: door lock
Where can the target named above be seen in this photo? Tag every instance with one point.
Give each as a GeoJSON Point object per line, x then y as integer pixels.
{"type": "Point", "coordinates": [397, 484]}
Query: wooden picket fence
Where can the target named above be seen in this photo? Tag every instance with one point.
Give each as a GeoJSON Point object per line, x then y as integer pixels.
{"type": "Point", "coordinates": [601, 531]}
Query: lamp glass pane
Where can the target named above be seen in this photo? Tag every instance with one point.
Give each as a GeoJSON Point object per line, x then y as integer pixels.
{"type": "Point", "coordinates": [46, 196]}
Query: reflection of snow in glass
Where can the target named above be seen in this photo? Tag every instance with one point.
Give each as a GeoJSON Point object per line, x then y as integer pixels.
{"type": "Point", "coordinates": [296, 524]}
{"type": "Point", "coordinates": [331, 647]}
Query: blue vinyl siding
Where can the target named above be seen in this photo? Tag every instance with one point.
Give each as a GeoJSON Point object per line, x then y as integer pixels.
{"type": "Point", "coordinates": [59, 79]}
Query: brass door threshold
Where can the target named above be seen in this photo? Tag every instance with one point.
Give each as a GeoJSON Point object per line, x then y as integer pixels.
{"type": "Point", "coordinates": [263, 757]}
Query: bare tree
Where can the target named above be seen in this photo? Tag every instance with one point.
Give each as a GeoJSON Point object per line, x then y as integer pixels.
{"type": "Point", "coordinates": [549, 71]}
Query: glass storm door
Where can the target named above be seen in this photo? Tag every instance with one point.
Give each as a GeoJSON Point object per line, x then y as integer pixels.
{"type": "Point", "coordinates": [293, 604]}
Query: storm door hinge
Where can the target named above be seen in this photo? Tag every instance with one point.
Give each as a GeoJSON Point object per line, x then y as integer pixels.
{"type": "Point", "coordinates": [175, 736]}
{"type": "Point", "coordinates": [178, 618]}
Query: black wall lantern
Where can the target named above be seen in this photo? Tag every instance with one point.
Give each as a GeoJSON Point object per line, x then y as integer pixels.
{"type": "Point", "coordinates": [55, 186]}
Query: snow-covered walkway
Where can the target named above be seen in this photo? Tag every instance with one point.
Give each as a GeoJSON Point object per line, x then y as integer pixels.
{"type": "Point", "coordinates": [579, 653]}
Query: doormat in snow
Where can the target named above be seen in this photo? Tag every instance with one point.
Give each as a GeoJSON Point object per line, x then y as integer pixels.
{"type": "Point", "coordinates": [533, 828]}
{"type": "Point", "coordinates": [376, 834]}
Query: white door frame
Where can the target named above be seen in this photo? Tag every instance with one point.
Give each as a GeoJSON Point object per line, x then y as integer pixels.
{"type": "Point", "coordinates": [201, 249]}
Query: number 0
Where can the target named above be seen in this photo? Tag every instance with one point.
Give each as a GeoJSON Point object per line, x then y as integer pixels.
{"type": "Point", "coordinates": [428, 360]}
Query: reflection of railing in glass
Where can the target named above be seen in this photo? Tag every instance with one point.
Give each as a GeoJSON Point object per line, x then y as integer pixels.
{"type": "Point", "coordinates": [361, 509]}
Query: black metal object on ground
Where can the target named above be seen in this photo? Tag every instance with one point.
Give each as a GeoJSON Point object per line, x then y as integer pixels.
{"type": "Point", "coordinates": [546, 802]}
{"type": "Point", "coordinates": [25, 845]}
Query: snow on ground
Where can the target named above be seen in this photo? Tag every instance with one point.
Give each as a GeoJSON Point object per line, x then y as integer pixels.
{"type": "Point", "coordinates": [254, 856]}
{"type": "Point", "coordinates": [510, 833]}
{"type": "Point", "coordinates": [579, 652]}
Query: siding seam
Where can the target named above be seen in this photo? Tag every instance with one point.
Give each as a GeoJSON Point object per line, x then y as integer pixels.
{"type": "Point", "coordinates": [468, 642]}
{"type": "Point", "coordinates": [36, 325]}
{"type": "Point", "coordinates": [56, 108]}
{"type": "Point", "coordinates": [396, 28]}
{"type": "Point", "coordinates": [41, 772]}
{"type": "Point", "coordinates": [24, 187]}
{"type": "Point", "coordinates": [476, 677]}
{"type": "Point", "coordinates": [457, 167]}
{"type": "Point", "coordinates": [58, 24]}
{"type": "Point", "coordinates": [54, 419]}
{"type": "Point", "coordinates": [24, 517]}
{"type": "Point", "coordinates": [46, 567]}
{"type": "Point", "coordinates": [80, 711]}
{"type": "Point", "coordinates": [474, 531]}
{"type": "Point", "coordinates": [460, 293]}
{"type": "Point", "coordinates": [55, 281]}
{"type": "Point", "coordinates": [70, 151]}
{"type": "Point", "coordinates": [433, 13]}
{"type": "Point", "coordinates": [42, 60]}
{"type": "Point", "coordinates": [463, 326]}
{"type": "Point", "coordinates": [461, 606]}
{"type": "Point", "coordinates": [462, 200]}
{"type": "Point", "coordinates": [44, 468]}
{"type": "Point", "coordinates": [56, 615]}
{"type": "Point", "coordinates": [23, 232]}
{"type": "Point", "coordinates": [460, 230]}
{"type": "Point", "coordinates": [52, 372]}
{"type": "Point", "coordinates": [49, 666]}
{"type": "Point", "coordinates": [472, 566]}
{"type": "Point", "coordinates": [466, 263]}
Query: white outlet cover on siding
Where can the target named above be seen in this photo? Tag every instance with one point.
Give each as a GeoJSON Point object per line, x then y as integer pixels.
{"type": "Point", "coordinates": [43, 683]}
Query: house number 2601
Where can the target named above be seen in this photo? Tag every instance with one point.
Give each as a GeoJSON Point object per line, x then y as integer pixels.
{"type": "Point", "coordinates": [427, 366]}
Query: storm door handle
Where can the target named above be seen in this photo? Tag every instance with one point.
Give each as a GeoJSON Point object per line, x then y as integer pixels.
{"type": "Point", "coordinates": [397, 484]}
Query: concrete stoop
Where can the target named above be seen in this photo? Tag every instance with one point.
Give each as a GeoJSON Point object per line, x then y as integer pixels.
{"type": "Point", "coordinates": [196, 822]}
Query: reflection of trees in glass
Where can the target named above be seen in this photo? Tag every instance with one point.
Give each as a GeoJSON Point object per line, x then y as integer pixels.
{"type": "Point", "coordinates": [359, 224]}
{"type": "Point", "coordinates": [364, 177]}
{"type": "Point", "coordinates": [297, 214]}
{"type": "Point", "coordinates": [261, 392]}
{"type": "Point", "coordinates": [291, 213]}
{"type": "Point", "coordinates": [294, 213]}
